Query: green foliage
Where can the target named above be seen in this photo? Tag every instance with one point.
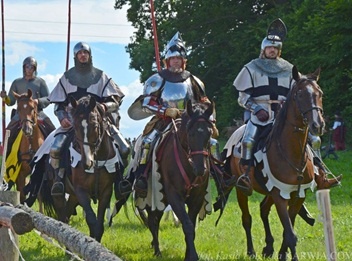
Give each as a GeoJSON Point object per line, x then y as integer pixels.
{"type": "Point", "coordinates": [224, 35]}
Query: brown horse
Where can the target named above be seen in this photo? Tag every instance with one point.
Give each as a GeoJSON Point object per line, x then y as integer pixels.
{"type": "Point", "coordinates": [95, 165]}
{"type": "Point", "coordinates": [32, 137]}
{"type": "Point", "coordinates": [288, 169]}
{"type": "Point", "coordinates": [183, 160]}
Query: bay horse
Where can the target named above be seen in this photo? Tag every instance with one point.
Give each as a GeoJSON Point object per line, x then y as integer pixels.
{"type": "Point", "coordinates": [95, 165]}
{"type": "Point", "coordinates": [287, 169]}
{"type": "Point", "coordinates": [183, 161]}
{"type": "Point", "coordinates": [32, 137]}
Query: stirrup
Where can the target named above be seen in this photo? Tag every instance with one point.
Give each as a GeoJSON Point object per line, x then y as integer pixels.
{"type": "Point", "coordinates": [246, 186]}
{"type": "Point", "coordinates": [58, 189]}
{"type": "Point", "coordinates": [231, 182]}
{"type": "Point", "coordinates": [141, 187]}
{"type": "Point", "coordinates": [123, 188]}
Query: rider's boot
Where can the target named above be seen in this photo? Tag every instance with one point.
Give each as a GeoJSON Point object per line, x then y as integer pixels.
{"type": "Point", "coordinates": [323, 182]}
{"type": "Point", "coordinates": [141, 184]}
{"type": "Point", "coordinates": [58, 188]}
{"type": "Point", "coordinates": [244, 182]}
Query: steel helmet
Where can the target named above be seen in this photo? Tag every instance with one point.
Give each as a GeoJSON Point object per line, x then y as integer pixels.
{"type": "Point", "coordinates": [276, 34]}
{"type": "Point", "coordinates": [30, 61]}
{"type": "Point", "coordinates": [175, 47]}
{"type": "Point", "coordinates": [81, 46]}
{"type": "Point", "coordinates": [272, 40]}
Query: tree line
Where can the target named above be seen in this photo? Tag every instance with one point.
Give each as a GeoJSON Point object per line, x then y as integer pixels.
{"type": "Point", "coordinates": [223, 35]}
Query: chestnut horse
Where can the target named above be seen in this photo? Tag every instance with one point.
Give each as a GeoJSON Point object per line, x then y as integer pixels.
{"type": "Point", "coordinates": [287, 169]}
{"type": "Point", "coordinates": [183, 161]}
{"type": "Point", "coordinates": [32, 137]}
{"type": "Point", "coordinates": [95, 165]}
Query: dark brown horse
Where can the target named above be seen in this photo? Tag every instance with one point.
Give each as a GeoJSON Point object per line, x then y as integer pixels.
{"type": "Point", "coordinates": [288, 168]}
{"type": "Point", "coordinates": [95, 165]}
{"type": "Point", "coordinates": [183, 158]}
{"type": "Point", "coordinates": [32, 137]}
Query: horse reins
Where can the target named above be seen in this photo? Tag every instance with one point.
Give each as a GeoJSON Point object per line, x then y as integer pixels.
{"type": "Point", "coordinates": [188, 185]}
{"type": "Point", "coordinates": [304, 158]}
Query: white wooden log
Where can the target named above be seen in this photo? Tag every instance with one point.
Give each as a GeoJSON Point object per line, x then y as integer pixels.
{"type": "Point", "coordinates": [323, 199]}
{"type": "Point", "coordinates": [86, 247]}
{"type": "Point", "coordinates": [17, 220]}
{"type": "Point", "coordinates": [8, 251]}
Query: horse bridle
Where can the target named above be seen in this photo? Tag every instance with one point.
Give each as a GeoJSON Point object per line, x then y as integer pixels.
{"type": "Point", "coordinates": [303, 113]}
{"type": "Point", "coordinates": [95, 145]}
{"type": "Point", "coordinates": [32, 122]}
{"type": "Point", "coordinates": [198, 119]}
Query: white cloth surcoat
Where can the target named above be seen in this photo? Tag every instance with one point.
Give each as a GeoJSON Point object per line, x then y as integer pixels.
{"type": "Point", "coordinates": [262, 88]}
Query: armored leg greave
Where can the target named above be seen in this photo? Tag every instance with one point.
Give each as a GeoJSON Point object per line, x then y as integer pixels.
{"type": "Point", "coordinates": [248, 141]}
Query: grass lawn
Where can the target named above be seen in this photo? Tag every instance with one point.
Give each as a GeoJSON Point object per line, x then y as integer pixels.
{"type": "Point", "coordinates": [130, 240]}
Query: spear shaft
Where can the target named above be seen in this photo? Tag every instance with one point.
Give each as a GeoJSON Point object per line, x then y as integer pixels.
{"type": "Point", "coordinates": [155, 34]}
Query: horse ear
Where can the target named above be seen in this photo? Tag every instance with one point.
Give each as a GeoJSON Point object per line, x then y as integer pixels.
{"type": "Point", "coordinates": [16, 95]}
{"type": "Point", "coordinates": [29, 93]}
{"type": "Point", "coordinates": [73, 102]}
{"type": "Point", "coordinates": [316, 74]}
{"type": "Point", "coordinates": [189, 107]}
{"type": "Point", "coordinates": [295, 74]}
{"type": "Point", "coordinates": [209, 111]}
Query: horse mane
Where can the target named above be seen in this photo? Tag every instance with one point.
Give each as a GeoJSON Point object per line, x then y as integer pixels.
{"type": "Point", "coordinates": [280, 118]}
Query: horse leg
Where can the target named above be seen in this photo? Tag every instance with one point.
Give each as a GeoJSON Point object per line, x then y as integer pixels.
{"type": "Point", "coordinates": [71, 205]}
{"type": "Point", "coordinates": [289, 237]}
{"type": "Point", "coordinates": [293, 210]}
{"type": "Point", "coordinates": [91, 219]}
{"type": "Point", "coordinates": [21, 181]}
{"type": "Point", "coordinates": [154, 218]}
{"type": "Point", "coordinates": [242, 200]}
{"type": "Point", "coordinates": [265, 207]}
{"type": "Point", "coordinates": [104, 203]}
{"type": "Point", "coordinates": [188, 224]}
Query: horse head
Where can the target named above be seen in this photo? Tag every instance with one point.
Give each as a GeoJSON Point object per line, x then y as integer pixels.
{"type": "Point", "coordinates": [199, 130]}
{"type": "Point", "coordinates": [309, 100]}
{"type": "Point", "coordinates": [27, 111]}
{"type": "Point", "coordinates": [87, 124]}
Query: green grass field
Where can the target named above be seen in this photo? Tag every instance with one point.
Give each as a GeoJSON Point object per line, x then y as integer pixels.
{"type": "Point", "coordinates": [130, 240]}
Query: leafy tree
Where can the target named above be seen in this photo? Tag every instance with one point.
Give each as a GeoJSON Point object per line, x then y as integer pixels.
{"type": "Point", "coordinates": [224, 35]}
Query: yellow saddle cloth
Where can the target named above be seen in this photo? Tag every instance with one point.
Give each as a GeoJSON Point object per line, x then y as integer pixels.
{"type": "Point", "coordinates": [12, 163]}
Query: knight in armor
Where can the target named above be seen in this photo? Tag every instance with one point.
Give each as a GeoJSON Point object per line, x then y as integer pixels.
{"type": "Point", "coordinates": [40, 93]}
{"type": "Point", "coordinates": [165, 95]}
{"type": "Point", "coordinates": [263, 85]}
{"type": "Point", "coordinates": [81, 80]}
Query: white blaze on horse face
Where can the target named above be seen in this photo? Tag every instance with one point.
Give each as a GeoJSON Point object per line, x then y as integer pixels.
{"type": "Point", "coordinates": [311, 91]}
{"type": "Point", "coordinates": [200, 130]}
{"type": "Point", "coordinates": [85, 135]}
{"type": "Point", "coordinates": [25, 106]}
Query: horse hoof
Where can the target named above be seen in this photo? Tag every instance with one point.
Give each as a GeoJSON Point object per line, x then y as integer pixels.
{"type": "Point", "coordinates": [267, 252]}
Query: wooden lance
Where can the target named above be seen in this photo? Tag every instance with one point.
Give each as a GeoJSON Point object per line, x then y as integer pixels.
{"type": "Point", "coordinates": [155, 34]}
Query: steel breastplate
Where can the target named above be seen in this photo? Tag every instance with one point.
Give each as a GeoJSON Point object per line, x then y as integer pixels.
{"type": "Point", "coordinates": [176, 95]}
